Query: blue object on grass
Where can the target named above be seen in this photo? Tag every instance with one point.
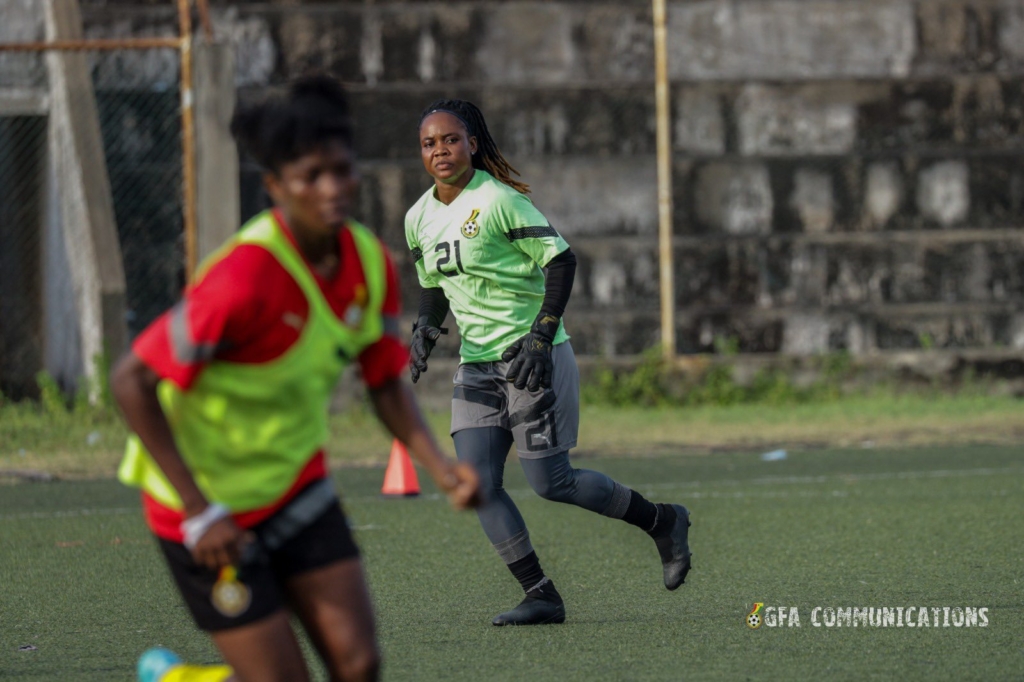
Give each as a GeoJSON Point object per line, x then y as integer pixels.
{"type": "Point", "coordinates": [155, 662]}
{"type": "Point", "coordinates": [773, 456]}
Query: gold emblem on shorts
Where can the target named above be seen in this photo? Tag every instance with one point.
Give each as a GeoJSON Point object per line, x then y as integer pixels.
{"type": "Point", "coordinates": [230, 596]}
{"type": "Point", "coordinates": [471, 227]}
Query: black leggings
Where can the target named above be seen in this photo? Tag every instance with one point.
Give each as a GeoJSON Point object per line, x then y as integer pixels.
{"type": "Point", "coordinates": [552, 477]}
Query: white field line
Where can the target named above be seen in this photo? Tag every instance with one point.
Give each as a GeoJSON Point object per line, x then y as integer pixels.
{"type": "Point", "coordinates": [72, 513]}
{"type": "Point", "coordinates": [776, 480]}
{"type": "Point", "coordinates": [845, 478]}
{"type": "Point", "coordinates": [525, 492]}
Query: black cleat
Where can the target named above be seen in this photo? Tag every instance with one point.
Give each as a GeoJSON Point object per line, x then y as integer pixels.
{"type": "Point", "coordinates": [674, 547]}
{"type": "Point", "coordinates": [542, 605]}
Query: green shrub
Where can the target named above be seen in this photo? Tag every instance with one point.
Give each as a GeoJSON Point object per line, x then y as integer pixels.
{"type": "Point", "coordinates": [652, 382]}
{"type": "Point", "coordinates": [716, 387]}
{"type": "Point", "coordinates": [644, 385]}
{"type": "Point", "coordinates": [772, 386]}
{"type": "Point", "coordinates": [92, 402]}
{"type": "Point", "coordinates": [51, 397]}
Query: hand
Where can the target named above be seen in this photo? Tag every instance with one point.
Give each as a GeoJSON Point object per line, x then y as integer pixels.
{"type": "Point", "coordinates": [221, 544]}
{"type": "Point", "coordinates": [462, 485]}
{"type": "Point", "coordinates": [424, 337]}
{"type": "Point", "coordinates": [530, 356]}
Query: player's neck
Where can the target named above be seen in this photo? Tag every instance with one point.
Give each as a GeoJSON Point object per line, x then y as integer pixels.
{"type": "Point", "coordinates": [322, 253]}
{"type": "Point", "coordinates": [447, 193]}
{"type": "Point", "coordinates": [321, 250]}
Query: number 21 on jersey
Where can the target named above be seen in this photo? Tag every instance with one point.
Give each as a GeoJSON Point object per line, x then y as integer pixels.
{"type": "Point", "coordinates": [446, 258]}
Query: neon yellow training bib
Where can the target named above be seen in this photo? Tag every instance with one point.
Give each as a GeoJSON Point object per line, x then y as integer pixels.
{"type": "Point", "coordinates": [245, 431]}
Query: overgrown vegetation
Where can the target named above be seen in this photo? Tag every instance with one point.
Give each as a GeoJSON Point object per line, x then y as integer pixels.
{"type": "Point", "coordinates": [721, 380]}
{"type": "Point", "coordinates": [714, 403]}
{"type": "Point", "coordinates": [78, 427]}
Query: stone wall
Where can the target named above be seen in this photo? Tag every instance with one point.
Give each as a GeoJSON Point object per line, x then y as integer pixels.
{"type": "Point", "coordinates": [847, 175]}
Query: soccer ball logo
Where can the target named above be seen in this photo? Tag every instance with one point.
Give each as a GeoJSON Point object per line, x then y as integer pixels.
{"type": "Point", "coordinates": [471, 227]}
{"type": "Point", "coordinates": [754, 618]}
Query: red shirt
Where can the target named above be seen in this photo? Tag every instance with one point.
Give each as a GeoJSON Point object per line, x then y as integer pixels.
{"type": "Point", "coordinates": [249, 309]}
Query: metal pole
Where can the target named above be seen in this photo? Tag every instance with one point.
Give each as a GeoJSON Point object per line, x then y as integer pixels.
{"type": "Point", "coordinates": [93, 44]}
{"type": "Point", "coordinates": [188, 148]}
{"type": "Point", "coordinates": [204, 19]}
{"type": "Point", "coordinates": [664, 142]}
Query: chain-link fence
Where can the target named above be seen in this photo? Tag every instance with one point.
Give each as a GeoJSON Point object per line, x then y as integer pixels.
{"type": "Point", "coordinates": [90, 188]}
{"type": "Point", "coordinates": [141, 126]}
{"type": "Point", "coordinates": [22, 173]}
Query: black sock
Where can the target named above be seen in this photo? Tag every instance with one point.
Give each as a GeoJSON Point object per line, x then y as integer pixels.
{"type": "Point", "coordinates": [527, 571]}
{"type": "Point", "coordinates": [666, 521]}
{"type": "Point", "coordinates": [641, 512]}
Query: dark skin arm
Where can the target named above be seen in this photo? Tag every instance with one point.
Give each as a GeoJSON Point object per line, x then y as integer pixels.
{"type": "Point", "coordinates": [397, 410]}
{"type": "Point", "coordinates": [134, 387]}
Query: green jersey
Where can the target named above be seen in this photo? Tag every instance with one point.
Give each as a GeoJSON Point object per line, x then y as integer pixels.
{"type": "Point", "coordinates": [485, 250]}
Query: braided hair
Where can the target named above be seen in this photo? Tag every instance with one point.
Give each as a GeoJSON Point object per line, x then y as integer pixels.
{"type": "Point", "coordinates": [282, 128]}
{"type": "Point", "coordinates": [488, 156]}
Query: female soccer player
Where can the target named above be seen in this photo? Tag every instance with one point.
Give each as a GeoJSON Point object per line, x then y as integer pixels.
{"type": "Point", "coordinates": [479, 245]}
{"type": "Point", "coordinates": [228, 392]}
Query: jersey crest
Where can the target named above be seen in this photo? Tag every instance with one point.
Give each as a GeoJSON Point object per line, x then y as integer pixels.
{"type": "Point", "coordinates": [353, 316]}
{"type": "Point", "coordinates": [471, 227]}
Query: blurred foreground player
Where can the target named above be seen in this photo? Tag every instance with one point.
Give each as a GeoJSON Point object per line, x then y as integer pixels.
{"type": "Point", "coordinates": [479, 245]}
{"type": "Point", "coordinates": [227, 395]}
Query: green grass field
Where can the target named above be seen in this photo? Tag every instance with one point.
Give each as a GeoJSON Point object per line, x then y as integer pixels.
{"type": "Point", "coordinates": [81, 580]}
{"type": "Point", "coordinates": [36, 443]}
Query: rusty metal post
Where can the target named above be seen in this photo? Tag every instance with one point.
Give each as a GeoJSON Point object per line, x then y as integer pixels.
{"type": "Point", "coordinates": [664, 144]}
{"type": "Point", "coordinates": [184, 45]}
{"type": "Point", "coordinates": [188, 150]}
{"type": "Point", "coordinates": [92, 44]}
{"type": "Point", "coordinates": [204, 19]}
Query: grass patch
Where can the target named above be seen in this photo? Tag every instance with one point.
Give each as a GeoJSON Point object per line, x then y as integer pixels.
{"type": "Point", "coordinates": [932, 527]}
{"type": "Point", "coordinates": [89, 443]}
{"type": "Point", "coordinates": [865, 421]}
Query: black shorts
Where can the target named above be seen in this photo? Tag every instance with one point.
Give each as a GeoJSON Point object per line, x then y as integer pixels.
{"type": "Point", "coordinates": [229, 599]}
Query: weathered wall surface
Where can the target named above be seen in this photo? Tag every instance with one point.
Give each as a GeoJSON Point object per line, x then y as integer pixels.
{"type": "Point", "coordinates": [848, 175]}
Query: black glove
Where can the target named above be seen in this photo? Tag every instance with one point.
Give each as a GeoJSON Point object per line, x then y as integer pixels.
{"type": "Point", "coordinates": [530, 355]}
{"type": "Point", "coordinates": [424, 337]}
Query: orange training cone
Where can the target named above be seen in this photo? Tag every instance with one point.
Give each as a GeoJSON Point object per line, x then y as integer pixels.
{"type": "Point", "coordinates": [400, 478]}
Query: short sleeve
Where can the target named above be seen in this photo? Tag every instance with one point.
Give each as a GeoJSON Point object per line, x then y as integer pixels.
{"type": "Point", "coordinates": [387, 358]}
{"type": "Point", "coordinates": [425, 279]}
{"type": "Point", "coordinates": [213, 315]}
{"type": "Point", "coordinates": [528, 230]}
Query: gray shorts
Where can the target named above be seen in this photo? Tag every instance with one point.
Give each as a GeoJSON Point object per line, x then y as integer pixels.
{"type": "Point", "coordinates": [542, 422]}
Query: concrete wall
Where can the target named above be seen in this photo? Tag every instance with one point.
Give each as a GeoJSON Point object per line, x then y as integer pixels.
{"type": "Point", "coordinates": [848, 175]}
